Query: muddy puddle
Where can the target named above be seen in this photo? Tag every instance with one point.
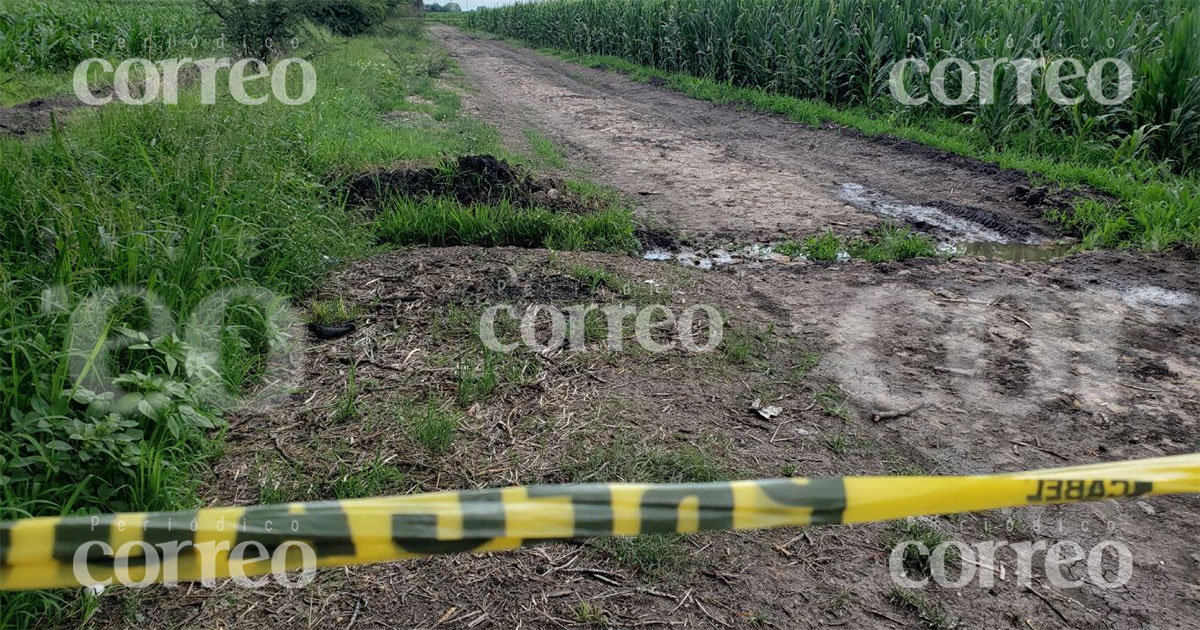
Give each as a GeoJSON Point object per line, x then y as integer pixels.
{"type": "Point", "coordinates": [1013, 252]}
{"type": "Point", "coordinates": [758, 255]}
{"type": "Point", "coordinates": [947, 221]}
{"type": "Point", "coordinates": [957, 231]}
{"type": "Point", "coordinates": [754, 256]}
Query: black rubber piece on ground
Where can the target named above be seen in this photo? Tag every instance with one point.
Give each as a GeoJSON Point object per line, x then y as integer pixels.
{"type": "Point", "coordinates": [321, 331]}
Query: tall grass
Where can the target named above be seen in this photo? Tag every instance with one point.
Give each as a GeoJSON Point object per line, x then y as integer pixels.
{"type": "Point", "coordinates": [181, 200]}
{"type": "Point", "coordinates": [445, 222]}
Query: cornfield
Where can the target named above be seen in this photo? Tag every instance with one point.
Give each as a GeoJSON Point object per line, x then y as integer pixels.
{"type": "Point", "coordinates": [36, 35]}
{"type": "Point", "coordinates": [841, 52]}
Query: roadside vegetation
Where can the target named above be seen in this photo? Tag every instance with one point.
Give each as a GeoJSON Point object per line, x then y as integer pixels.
{"type": "Point", "coordinates": [445, 222]}
{"type": "Point", "coordinates": [817, 61]}
{"type": "Point", "coordinates": [885, 243]}
{"type": "Point", "coordinates": [182, 201]}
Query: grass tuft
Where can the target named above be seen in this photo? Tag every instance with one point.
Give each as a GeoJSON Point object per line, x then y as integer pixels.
{"type": "Point", "coordinates": [431, 424]}
{"type": "Point", "coordinates": [445, 222]}
{"type": "Point", "coordinates": [931, 616]}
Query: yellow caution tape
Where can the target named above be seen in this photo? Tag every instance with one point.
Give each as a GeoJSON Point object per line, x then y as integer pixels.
{"type": "Point", "coordinates": [243, 541]}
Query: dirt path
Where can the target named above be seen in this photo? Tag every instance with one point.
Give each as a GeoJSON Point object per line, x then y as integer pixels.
{"type": "Point", "coordinates": [715, 171]}
{"type": "Point", "coordinates": [1017, 366]}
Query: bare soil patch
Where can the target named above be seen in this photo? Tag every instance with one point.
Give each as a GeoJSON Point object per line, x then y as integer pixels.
{"type": "Point", "coordinates": [35, 116]}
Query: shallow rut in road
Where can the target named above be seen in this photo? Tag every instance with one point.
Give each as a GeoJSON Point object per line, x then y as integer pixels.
{"type": "Point", "coordinates": [708, 170]}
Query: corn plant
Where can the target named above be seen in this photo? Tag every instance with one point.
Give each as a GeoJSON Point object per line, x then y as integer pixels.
{"type": "Point", "coordinates": [840, 52]}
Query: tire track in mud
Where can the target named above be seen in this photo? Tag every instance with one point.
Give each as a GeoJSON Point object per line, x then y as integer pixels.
{"type": "Point", "coordinates": [706, 170]}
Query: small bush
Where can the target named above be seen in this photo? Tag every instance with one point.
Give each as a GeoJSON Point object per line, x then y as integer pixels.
{"type": "Point", "coordinates": [348, 17]}
{"type": "Point", "coordinates": [257, 27]}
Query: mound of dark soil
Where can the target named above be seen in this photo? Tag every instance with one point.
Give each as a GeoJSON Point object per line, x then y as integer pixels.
{"type": "Point", "coordinates": [470, 179]}
{"type": "Point", "coordinates": [35, 116]}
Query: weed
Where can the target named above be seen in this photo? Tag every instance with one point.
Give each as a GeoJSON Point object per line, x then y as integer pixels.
{"type": "Point", "coordinates": [825, 247]}
{"type": "Point", "coordinates": [595, 278]}
{"type": "Point", "coordinates": [445, 222]}
{"type": "Point", "coordinates": [545, 150]}
{"type": "Point", "coordinates": [476, 384]}
{"type": "Point", "coordinates": [758, 618]}
{"type": "Point", "coordinates": [651, 554]}
{"type": "Point", "coordinates": [333, 312]}
{"type": "Point", "coordinates": [890, 242]}
{"type": "Point", "coordinates": [833, 401]}
{"type": "Point", "coordinates": [284, 483]}
{"type": "Point", "coordinates": [742, 347]}
{"type": "Point", "coordinates": [885, 243]}
{"type": "Point", "coordinates": [432, 425]}
{"type": "Point", "coordinates": [924, 532]}
{"type": "Point", "coordinates": [805, 364]}
{"type": "Point", "coordinates": [790, 248]}
{"type": "Point", "coordinates": [839, 602]}
{"type": "Point", "coordinates": [592, 614]}
{"type": "Point", "coordinates": [905, 470]}
{"type": "Point", "coordinates": [838, 444]}
{"type": "Point", "coordinates": [634, 461]}
{"type": "Point", "coordinates": [345, 406]}
{"type": "Point", "coordinates": [374, 479]}
{"type": "Point", "coordinates": [931, 615]}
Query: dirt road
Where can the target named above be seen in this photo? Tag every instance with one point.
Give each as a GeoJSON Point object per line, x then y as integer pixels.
{"type": "Point", "coordinates": [1014, 366]}
{"type": "Point", "coordinates": [715, 171]}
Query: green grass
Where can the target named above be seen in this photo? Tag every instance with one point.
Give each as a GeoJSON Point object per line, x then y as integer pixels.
{"type": "Point", "coordinates": [446, 222]}
{"type": "Point", "coordinates": [654, 555]}
{"type": "Point", "coordinates": [431, 424]}
{"type": "Point", "coordinates": [630, 461]}
{"type": "Point", "coordinates": [596, 277]}
{"type": "Point", "coordinates": [931, 615]}
{"type": "Point", "coordinates": [890, 242]}
{"type": "Point", "coordinates": [743, 347]}
{"type": "Point", "coordinates": [806, 363]}
{"type": "Point", "coordinates": [824, 247]}
{"type": "Point", "coordinates": [334, 311]}
{"type": "Point", "coordinates": [182, 200]}
{"type": "Point", "coordinates": [887, 242]}
{"type": "Point", "coordinates": [590, 614]}
{"type": "Point", "coordinates": [832, 400]}
{"type": "Point", "coordinates": [477, 382]}
{"type": "Point", "coordinates": [345, 406]}
{"type": "Point", "coordinates": [925, 533]}
{"type": "Point", "coordinates": [373, 479]}
{"type": "Point", "coordinates": [1145, 154]}
{"type": "Point", "coordinates": [544, 150]}
{"type": "Point", "coordinates": [837, 444]}
{"type": "Point", "coordinates": [285, 483]}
